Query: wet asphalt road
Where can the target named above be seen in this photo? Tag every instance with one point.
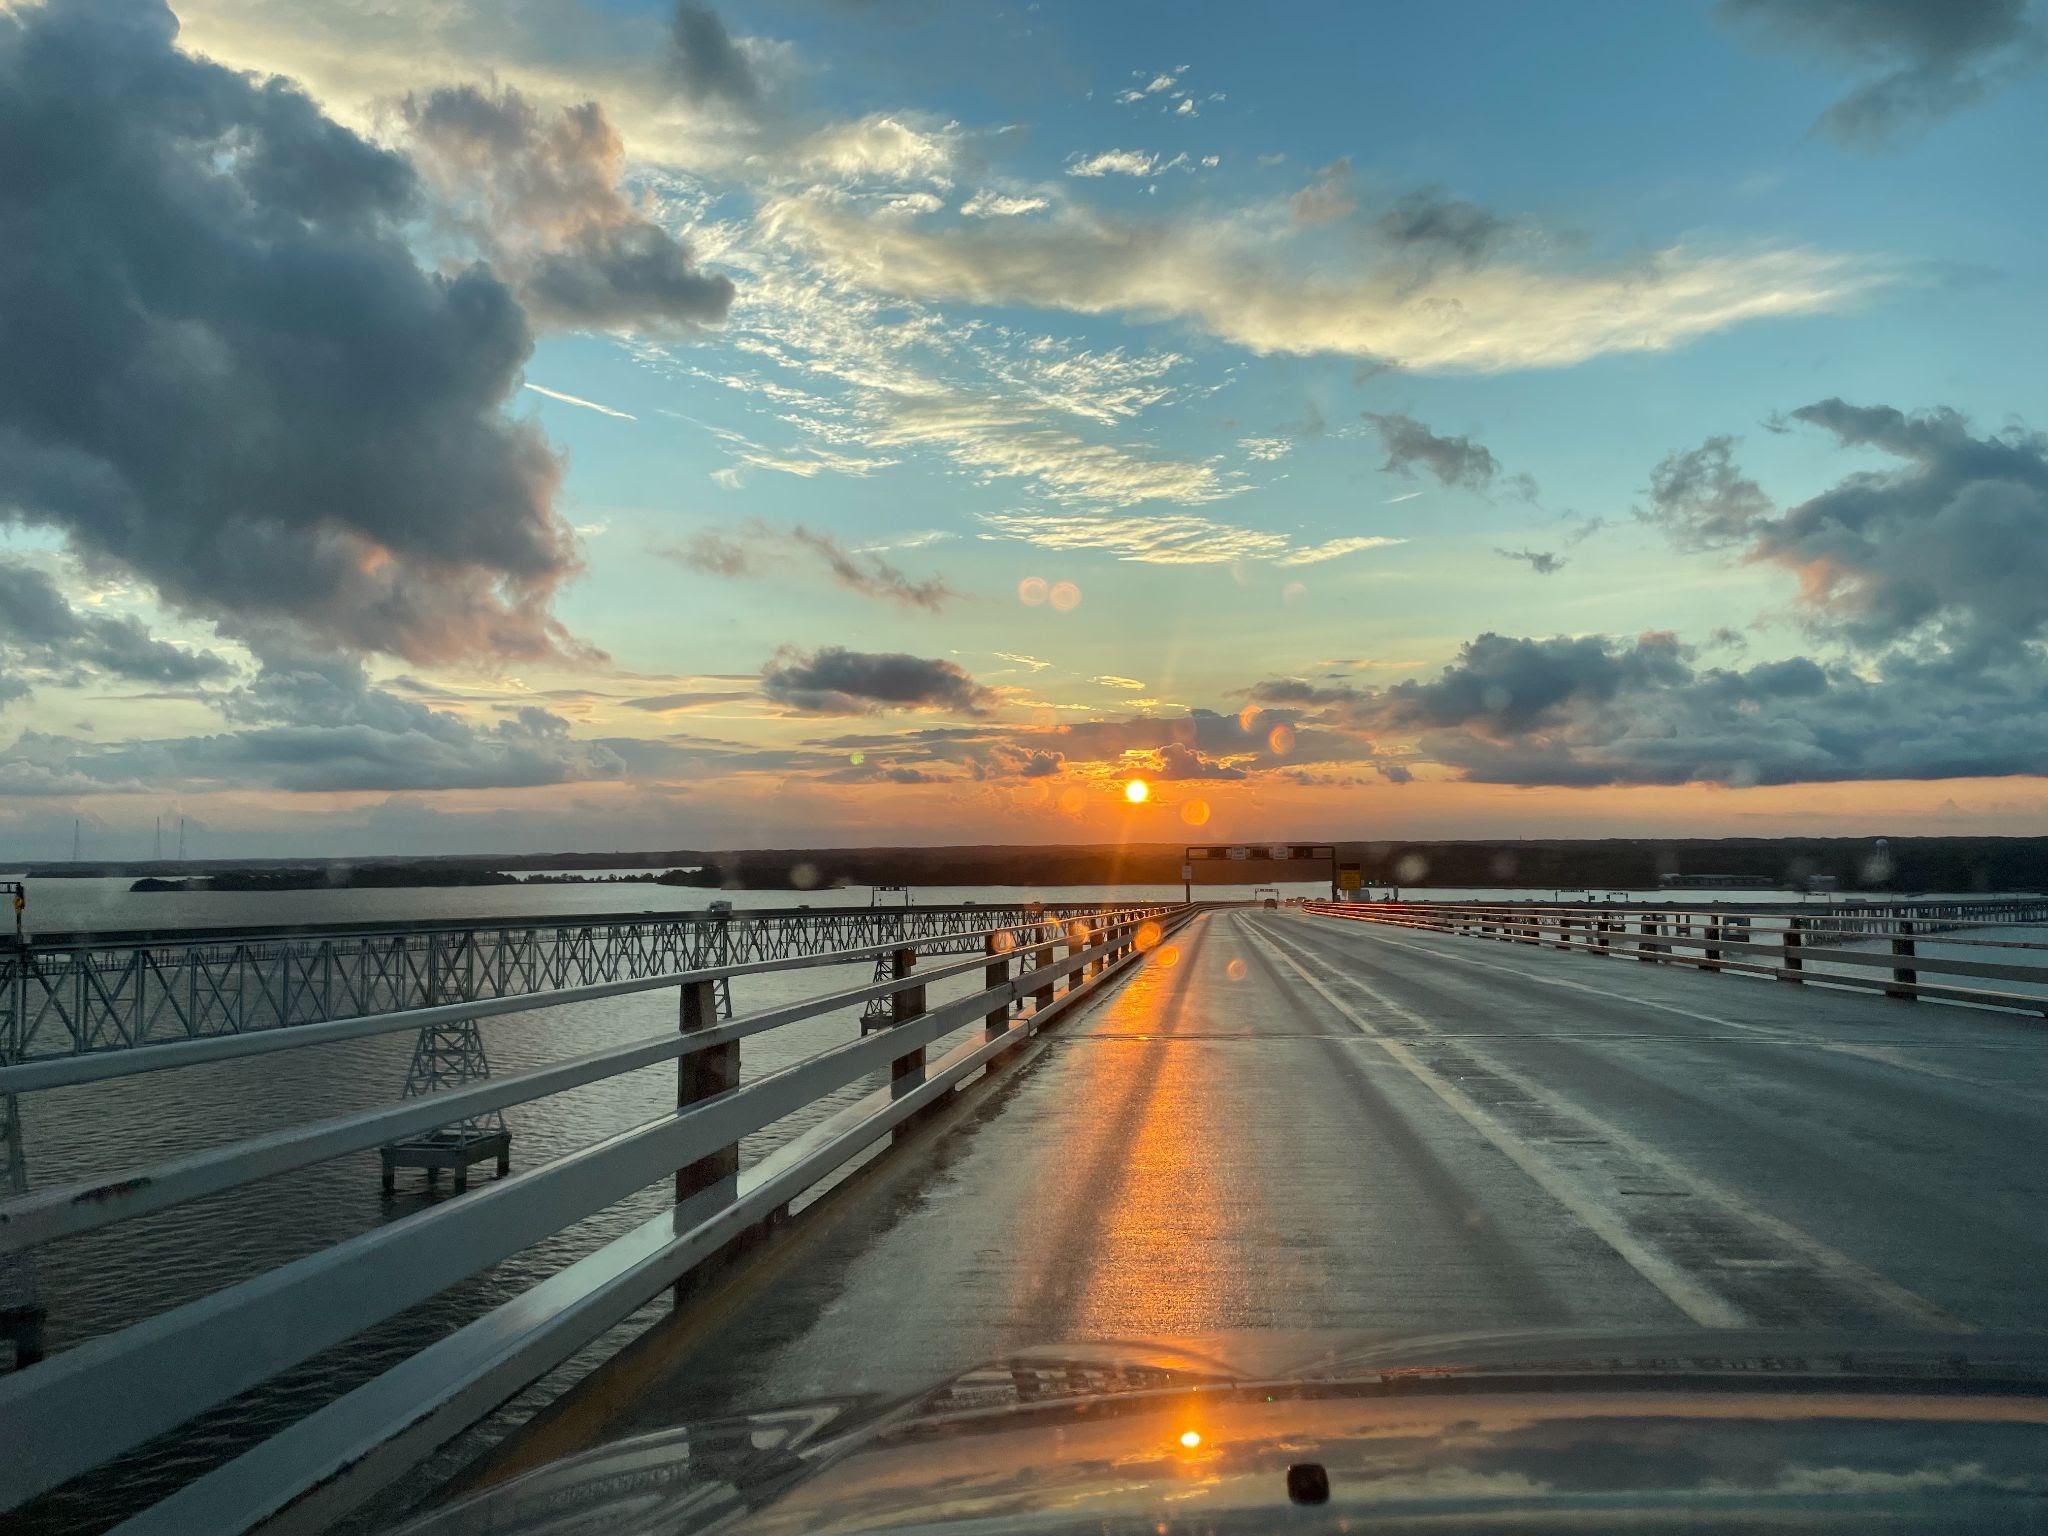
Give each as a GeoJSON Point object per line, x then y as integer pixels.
{"type": "Point", "coordinates": [1298, 1123]}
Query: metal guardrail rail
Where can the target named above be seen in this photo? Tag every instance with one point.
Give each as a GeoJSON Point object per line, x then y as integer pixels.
{"type": "Point", "coordinates": [1759, 941]}
{"type": "Point", "coordinates": [84, 1406]}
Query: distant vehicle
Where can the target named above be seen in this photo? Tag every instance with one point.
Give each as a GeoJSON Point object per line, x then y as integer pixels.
{"type": "Point", "coordinates": [720, 909]}
{"type": "Point", "coordinates": [1270, 895]}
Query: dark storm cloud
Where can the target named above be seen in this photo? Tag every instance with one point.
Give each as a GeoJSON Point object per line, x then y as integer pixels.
{"type": "Point", "coordinates": [42, 634]}
{"type": "Point", "coordinates": [227, 373]}
{"type": "Point", "coordinates": [1924, 59]}
{"type": "Point", "coordinates": [708, 65]}
{"type": "Point", "coordinates": [1454, 461]}
{"type": "Point", "coordinates": [1543, 562]}
{"type": "Point", "coordinates": [756, 550]}
{"type": "Point", "coordinates": [1702, 500]}
{"type": "Point", "coordinates": [539, 193]}
{"type": "Point", "coordinates": [836, 681]}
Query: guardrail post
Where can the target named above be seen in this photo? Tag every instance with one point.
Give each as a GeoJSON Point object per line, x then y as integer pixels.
{"type": "Point", "coordinates": [996, 974]}
{"type": "Point", "coordinates": [1564, 933]}
{"type": "Point", "coordinates": [1795, 940]}
{"type": "Point", "coordinates": [906, 1072]}
{"type": "Point", "coordinates": [704, 1075]}
{"type": "Point", "coordinates": [1646, 951]}
{"type": "Point", "coordinates": [1041, 959]}
{"type": "Point", "coordinates": [1712, 954]}
{"type": "Point", "coordinates": [1903, 976]}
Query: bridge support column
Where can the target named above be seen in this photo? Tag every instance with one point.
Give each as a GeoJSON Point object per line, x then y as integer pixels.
{"type": "Point", "coordinates": [1795, 940]}
{"type": "Point", "coordinates": [1903, 976]}
{"type": "Point", "coordinates": [449, 1056]}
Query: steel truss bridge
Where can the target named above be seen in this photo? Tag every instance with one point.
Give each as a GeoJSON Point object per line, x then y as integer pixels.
{"type": "Point", "coordinates": [69, 995]}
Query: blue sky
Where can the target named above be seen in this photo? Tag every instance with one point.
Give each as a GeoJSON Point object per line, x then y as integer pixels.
{"type": "Point", "coordinates": [1474, 398]}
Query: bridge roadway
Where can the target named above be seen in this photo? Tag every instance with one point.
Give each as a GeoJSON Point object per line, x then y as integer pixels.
{"type": "Point", "coordinates": [1302, 1123]}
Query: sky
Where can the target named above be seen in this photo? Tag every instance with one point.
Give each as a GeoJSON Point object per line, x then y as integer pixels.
{"type": "Point", "coordinates": [516, 425]}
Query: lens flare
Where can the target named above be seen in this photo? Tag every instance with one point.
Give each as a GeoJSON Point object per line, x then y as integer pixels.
{"type": "Point", "coordinates": [1002, 942]}
{"type": "Point", "coordinates": [1281, 740]}
{"type": "Point", "coordinates": [1248, 717]}
{"type": "Point", "coordinates": [1073, 800]}
{"type": "Point", "coordinates": [1031, 591]}
{"type": "Point", "coordinates": [1237, 970]}
{"type": "Point", "coordinates": [1065, 596]}
{"type": "Point", "coordinates": [1148, 936]}
{"type": "Point", "coordinates": [1168, 957]}
{"type": "Point", "coordinates": [1194, 812]}
{"type": "Point", "coordinates": [1137, 791]}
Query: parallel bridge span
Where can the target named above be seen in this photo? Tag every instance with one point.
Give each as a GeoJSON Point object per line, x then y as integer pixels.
{"type": "Point", "coordinates": [74, 994]}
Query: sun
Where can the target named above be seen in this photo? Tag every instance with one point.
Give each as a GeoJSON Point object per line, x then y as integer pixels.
{"type": "Point", "coordinates": [1137, 791]}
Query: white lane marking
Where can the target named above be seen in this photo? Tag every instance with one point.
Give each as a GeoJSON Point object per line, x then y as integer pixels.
{"type": "Point", "coordinates": [1653, 1266]}
{"type": "Point", "coordinates": [1696, 1301]}
{"type": "Point", "coordinates": [1840, 1047]}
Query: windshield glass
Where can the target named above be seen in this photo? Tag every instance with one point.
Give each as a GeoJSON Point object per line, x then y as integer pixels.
{"type": "Point", "coordinates": [734, 707]}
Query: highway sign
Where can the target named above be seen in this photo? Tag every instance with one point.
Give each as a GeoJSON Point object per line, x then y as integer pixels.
{"type": "Point", "coordinates": [1349, 877]}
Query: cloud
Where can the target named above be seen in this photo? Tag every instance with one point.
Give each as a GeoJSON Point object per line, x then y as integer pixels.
{"type": "Point", "coordinates": [836, 681]}
{"type": "Point", "coordinates": [315, 724]}
{"type": "Point", "coordinates": [1328, 197]}
{"type": "Point", "coordinates": [212, 307]}
{"type": "Point", "coordinates": [708, 66]}
{"type": "Point", "coordinates": [1702, 500]}
{"type": "Point", "coordinates": [679, 703]}
{"type": "Point", "coordinates": [1113, 162]}
{"type": "Point", "coordinates": [1458, 462]}
{"type": "Point", "coordinates": [757, 550]}
{"type": "Point", "coordinates": [1542, 561]}
{"type": "Point", "coordinates": [1005, 439]}
{"type": "Point", "coordinates": [1376, 297]}
{"type": "Point", "coordinates": [539, 194]}
{"type": "Point", "coordinates": [998, 205]}
{"type": "Point", "coordinates": [1948, 546]}
{"type": "Point", "coordinates": [43, 636]}
{"type": "Point", "coordinates": [1002, 760]}
{"type": "Point", "coordinates": [1177, 761]}
{"type": "Point", "coordinates": [1430, 220]}
{"type": "Point", "coordinates": [1169, 538]}
{"type": "Point", "coordinates": [1931, 58]}
{"type": "Point", "coordinates": [1591, 710]}
{"type": "Point", "coordinates": [588, 405]}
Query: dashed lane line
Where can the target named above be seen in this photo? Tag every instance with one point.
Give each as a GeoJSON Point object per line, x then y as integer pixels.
{"type": "Point", "coordinates": [1629, 1169]}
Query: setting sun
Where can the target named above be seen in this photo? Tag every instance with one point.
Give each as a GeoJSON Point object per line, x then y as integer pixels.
{"type": "Point", "coordinates": [1136, 791]}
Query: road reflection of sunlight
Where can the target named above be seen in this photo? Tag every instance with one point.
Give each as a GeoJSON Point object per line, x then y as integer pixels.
{"type": "Point", "coordinates": [1161, 1250]}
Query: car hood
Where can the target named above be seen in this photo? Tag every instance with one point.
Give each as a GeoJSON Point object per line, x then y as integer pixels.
{"type": "Point", "coordinates": [1744, 1431]}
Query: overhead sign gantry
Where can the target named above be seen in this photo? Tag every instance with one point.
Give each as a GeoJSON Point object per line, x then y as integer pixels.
{"type": "Point", "coordinates": [1266, 853]}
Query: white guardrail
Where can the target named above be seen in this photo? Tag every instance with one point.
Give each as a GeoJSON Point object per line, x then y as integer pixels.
{"type": "Point", "coordinates": [82, 1407]}
{"type": "Point", "coordinates": [1787, 946]}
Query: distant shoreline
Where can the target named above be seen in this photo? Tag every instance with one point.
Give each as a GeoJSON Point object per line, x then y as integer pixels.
{"type": "Point", "coordinates": [1952, 864]}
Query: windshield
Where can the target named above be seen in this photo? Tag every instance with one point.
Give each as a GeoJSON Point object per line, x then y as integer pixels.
{"type": "Point", "coordinates": [716, 707]}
